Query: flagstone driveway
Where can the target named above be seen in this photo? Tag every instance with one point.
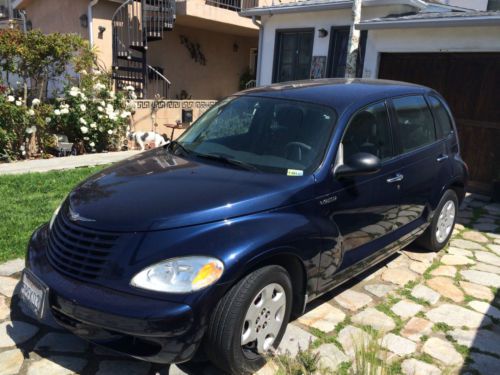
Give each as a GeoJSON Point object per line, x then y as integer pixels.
{"type": "Point", "coordinates": [436, 313]}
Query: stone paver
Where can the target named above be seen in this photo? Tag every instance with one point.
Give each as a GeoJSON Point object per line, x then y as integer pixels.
{"type": "Point", "coordinates": [379, 290]}
{"type": "Point", "coordinates": [477, 291]}
{"type": "Point", "coordinates": [123, 367]}
{"type": "Point", "coordinates": [61, 342]}
{"type": "Point", "coordinates": [56, 365]}
{"type": "Point", "coordinates": [442, 351]}
{"type": "Point", "coordinates": [494, 248]}
{"type": "Point", "coordinates": [467, 245]}
{"type": "Point", "coordinates": [486, 268]}
{"type": "Point", "coordinates": [419, 267]}
{"type": "Point", "coordinates": [4, 308]}
{"type": "Point", "coordinates": [295, 338]}
{"type": "Point", "coordinates": [352, 338]}
{"type": "Point", "coordinates": [425, 293]}
{"type": "Point", "coordinates": [416, 328]}
{"type": "Point", "coordinates": [485, 364]}
{"type": "Point", "coordinates": [8, 286]}
{"type": "Point", "coordinates": [44, 165]}
{"type": "Point", "coordinates": [15, 333]}
{"type": "Point", "coordinates": [423, 257]}
{"type": "Point", "coordinates": [481, 277]}
{"type": "Point", "coordinates": [375, 319]}
{"type": "Point", "coordinates": [330, 356]}
{"type": "Point", "coordinates": [447, 271]}
{"type": "Point", "coordinates": [398, 345]}
{"type": "Point", "coordinates": [475, 236]}
{"type": "Point", "coordinates": [488, 258]}
{"type": "Point", "coordinates": [485, 308]}
{"type": "Point", "coordinates": [446, 288]}
{"type": "Point", "coordinates": [11, 362]}
{"type": "Point", "coordinates": [483, 340]}
{"type": "Point", "coordinates": [324, 317]}
{"type": "Point", "coordinates": [413, 366]}
{"type": "Point", "coordinates": [352, 300]}
{"type": "Point", "coordinates": [456, 260]}
{"type": "Point", "coordinates": [11, 267]}
{"type": "Point", "coordinates": [458, 251]}
{"type": "Point", "coordinates": [399, 275]}
{"type": "Point", "coordinates": [457, 316]}
{"type": "Point", "coordinates": [406, 309]}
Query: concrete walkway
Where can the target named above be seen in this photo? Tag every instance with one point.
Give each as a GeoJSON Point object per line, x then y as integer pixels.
{"type": "Point", "coordinates": [70, 162]}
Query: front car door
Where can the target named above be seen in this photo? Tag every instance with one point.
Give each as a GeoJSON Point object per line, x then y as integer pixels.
{"type": "Point", "coordinates": [363, 209]}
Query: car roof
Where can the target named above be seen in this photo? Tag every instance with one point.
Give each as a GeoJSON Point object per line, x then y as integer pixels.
{"type": "Point", "coordinates": [338, 93]}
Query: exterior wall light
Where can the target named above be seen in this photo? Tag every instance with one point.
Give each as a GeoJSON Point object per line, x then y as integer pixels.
{"type": "Point", "coordinates": [322, 33]}
{"type": "Point", "coordinates": [84, 21]}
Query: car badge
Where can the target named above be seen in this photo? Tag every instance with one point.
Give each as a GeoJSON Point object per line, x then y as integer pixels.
{"type": "Point", "coordinates": [75, 216]}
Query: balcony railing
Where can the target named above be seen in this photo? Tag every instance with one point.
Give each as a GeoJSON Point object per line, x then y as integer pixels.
{"type": "Point", "coordinates": [236, 5]}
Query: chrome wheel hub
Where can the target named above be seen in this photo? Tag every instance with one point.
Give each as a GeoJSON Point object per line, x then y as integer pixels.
{"type": "Point", "coordinates": [445, 221]}
{"type": "Point", "coordinates": [264, 319]}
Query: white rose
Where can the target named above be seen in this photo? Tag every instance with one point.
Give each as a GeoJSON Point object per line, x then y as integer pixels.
{"type": "Point", "coordinates": [35, 102]}
{"type": "Point", "coordinates": [99, 86]}
{"type": "Point", "coordinates": [86, 138]}
{"type": "Point", "coordinates": [48, 120]}
{"type": "Point", "coordinates": [92, 144]}
{"type": "Point", "coordinates": [84, 129]}
{"type": "Point", "coordinates": [130, 88]}
{"type": "Point", "coordinates": [93, 125]}
{"type": "Point", "coordinates": [125, 114]}
{"type": "Point", "coordinates": [31, 112]}
{"type": "Point", "coordinates": [101, 129]}
{"type": "Point", "coordinates": [64, 111]}
{"type": "Point", "coordinates": [57, 112]}
{"type": "Point", "coordinates": [100, 109]}
{"type": "Point", "coordinates": [19, 103]}
{"type": "Point", "coordinates": [83, 121]}
{"type": "Point", "coordinates": [83, 107]}
{"type": "Point", "coordinates": [11, 99]}
{"type": "Point", "coordinates": [110, 131]}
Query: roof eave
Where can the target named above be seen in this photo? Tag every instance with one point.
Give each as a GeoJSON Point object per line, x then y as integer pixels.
{"type": "Point", "coordinates": [428, 23]}
{"type": "Point", "coordinates": [347, 4]}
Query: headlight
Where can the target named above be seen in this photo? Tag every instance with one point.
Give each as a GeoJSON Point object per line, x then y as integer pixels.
{"type": "Point", "coordinates": [180, 275]}
{"type": "Point", "coordinates": [54, 215]}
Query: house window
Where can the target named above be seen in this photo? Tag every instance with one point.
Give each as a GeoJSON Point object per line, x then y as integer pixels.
{"type": "Point", "coordinates": [337, 56]}
{"type": "Point", "coordinates": [293, 55]}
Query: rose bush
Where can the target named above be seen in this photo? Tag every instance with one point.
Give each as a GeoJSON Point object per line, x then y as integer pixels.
{"type": "Point", "coordinates": [92, 115]}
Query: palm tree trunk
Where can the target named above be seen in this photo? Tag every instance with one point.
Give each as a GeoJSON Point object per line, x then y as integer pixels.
{"type": "Point", "coordinates": [353, 46]}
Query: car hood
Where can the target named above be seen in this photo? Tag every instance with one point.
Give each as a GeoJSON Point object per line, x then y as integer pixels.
{"type": "Point", "coordinates": [157, 190]}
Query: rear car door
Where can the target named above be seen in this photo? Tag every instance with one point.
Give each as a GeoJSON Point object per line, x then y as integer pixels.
{"type": "Point", "coordinates": [423, 159]}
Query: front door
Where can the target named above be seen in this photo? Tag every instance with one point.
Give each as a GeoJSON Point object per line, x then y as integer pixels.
{"type": "Point", "coordinates": [363, 209]}
{"type": "Point", "coordinates": [293, 55]}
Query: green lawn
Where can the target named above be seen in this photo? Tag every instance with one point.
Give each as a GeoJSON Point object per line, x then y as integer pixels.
{"type": "Point", "coordinates": [27, 201]}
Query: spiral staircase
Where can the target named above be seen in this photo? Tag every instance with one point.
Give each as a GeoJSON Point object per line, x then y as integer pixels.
{"type": "Point", "coordinates": [136, 24]}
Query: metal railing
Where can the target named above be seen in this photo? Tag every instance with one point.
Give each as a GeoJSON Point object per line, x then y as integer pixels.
{"type": "Point", "coordinates": [236, 5]}
{"type": "Point", "coordinates": [156, 84]}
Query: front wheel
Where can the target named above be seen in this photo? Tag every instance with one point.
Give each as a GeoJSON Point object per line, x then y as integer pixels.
{"type": "Point", "coordinates": [250, 320]}
{"type": "Point", "coordinates": [440, 230]}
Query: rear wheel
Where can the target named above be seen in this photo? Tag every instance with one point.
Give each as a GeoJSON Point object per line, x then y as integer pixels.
{"type": "Point", "coordinates": [250, 321]}
{"type": "Point", "coordinates": [440, 230]}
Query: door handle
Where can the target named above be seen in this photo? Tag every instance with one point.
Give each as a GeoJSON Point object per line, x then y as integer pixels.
{"type": "Point", "coordinates": [397, 178]}
{"type": "Point", "coordinates": [442, 158]}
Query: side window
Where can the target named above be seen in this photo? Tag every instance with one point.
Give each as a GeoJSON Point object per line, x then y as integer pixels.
{"type": "Point", "coordinates": [443, 121]}
{"type": "Point", "coordinates": [415, 122]}
{"type": "Point", "coordinates": [369, 131]}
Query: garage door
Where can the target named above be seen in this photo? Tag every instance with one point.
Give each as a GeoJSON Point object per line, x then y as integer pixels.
{"type": "Point", "coordinates": [470, 82]}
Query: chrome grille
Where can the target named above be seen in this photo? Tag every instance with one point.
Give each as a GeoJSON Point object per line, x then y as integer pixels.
{"type": "Point", "coordinates": [79, 252]}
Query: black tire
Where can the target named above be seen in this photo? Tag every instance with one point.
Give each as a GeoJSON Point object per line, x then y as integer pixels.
{"type": "Point", "coordinates": [223, 337]}
{"type": "Point", "coordinates": [428, 240]}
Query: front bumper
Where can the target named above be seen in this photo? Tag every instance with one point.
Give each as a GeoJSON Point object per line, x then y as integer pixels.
{"type": "Point", "coordinates": [149, 329]}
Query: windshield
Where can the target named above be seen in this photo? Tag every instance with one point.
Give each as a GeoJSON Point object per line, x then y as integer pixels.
{"type": "Point", "coordinates": [269, 135]}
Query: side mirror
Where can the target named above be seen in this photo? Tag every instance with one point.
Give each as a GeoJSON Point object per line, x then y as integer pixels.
{"type": "Point", "coordinates": [359, 164]}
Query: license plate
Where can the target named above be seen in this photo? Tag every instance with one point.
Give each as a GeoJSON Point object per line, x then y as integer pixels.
{"type": "Point", "coordinates": [34, 293]}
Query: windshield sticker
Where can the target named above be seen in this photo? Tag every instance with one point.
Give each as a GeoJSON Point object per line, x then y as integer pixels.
{"type": "Point", "coordinates": [295, 172]}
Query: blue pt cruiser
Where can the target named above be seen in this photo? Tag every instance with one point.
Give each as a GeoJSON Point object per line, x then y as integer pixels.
{"type": "Point", "coordinates": [204, 249]}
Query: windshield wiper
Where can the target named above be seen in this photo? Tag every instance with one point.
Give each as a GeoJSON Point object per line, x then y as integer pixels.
{"type": "Point", "coordinates": [179, 145]}
{"type": "Point", "coordinates": [234, 162]}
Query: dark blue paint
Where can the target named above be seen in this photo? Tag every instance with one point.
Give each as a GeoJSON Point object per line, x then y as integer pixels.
{"type": "Point", "coordinates": [167, 206]}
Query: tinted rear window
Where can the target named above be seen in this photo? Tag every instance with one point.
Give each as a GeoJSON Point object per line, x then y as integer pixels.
{"type": "Point", "coordinates": [415, 122]}
{"type": "Point", "coordinates": [443, 121]}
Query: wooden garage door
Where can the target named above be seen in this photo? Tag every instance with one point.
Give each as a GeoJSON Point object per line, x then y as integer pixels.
{"type": "Point", "coordinates": [470, 82]}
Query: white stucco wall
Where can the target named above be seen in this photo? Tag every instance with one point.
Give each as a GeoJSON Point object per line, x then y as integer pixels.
{"type": "Point", "coordinates": [452, 39]}
{"type": "Point", "coordinates": [316, 20]}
